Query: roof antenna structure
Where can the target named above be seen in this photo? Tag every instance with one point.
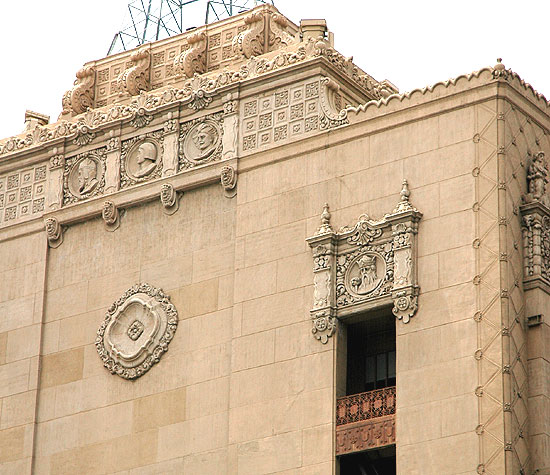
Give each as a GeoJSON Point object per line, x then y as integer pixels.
{"type": "Point", "coordinates": [152, 20]}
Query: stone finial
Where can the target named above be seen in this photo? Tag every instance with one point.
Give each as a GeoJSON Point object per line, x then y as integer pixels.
{"type": "Point", "coordinates": [499, 70]}
{"type": "Point", "coordinates": [325, 221]}
{"type": "Point", "coordinates": [537, 178]}
{"type": "Point", "coordinates": [404, 203]}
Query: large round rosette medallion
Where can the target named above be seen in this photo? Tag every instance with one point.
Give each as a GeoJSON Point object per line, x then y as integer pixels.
{"type": "Point", "coordinates": [136, 331]}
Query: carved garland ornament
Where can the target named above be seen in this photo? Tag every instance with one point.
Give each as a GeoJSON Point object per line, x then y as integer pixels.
{"type": "Point", "coordinates": [136, 331]}
{"type": "Point", "coordinates": [366, 266]}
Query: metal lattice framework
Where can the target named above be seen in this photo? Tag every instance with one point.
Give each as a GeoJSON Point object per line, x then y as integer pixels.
{"type": "Point", "coordinates": [152, 20]}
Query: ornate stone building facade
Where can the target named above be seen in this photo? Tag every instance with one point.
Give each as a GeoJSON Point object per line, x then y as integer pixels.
{"type": "Point", "coordinates": [236, 252]}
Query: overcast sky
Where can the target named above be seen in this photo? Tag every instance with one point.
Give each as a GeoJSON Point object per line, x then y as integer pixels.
{"type": "Point", "coordinates": [411, 43]}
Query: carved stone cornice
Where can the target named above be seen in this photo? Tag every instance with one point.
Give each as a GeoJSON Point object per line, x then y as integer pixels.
{"type": "Point", "coordinates": [196, 93]}
{"type": "Point", "coordinates": [365, 266]}
{"type": "Point", "coordinates": [193, 60]}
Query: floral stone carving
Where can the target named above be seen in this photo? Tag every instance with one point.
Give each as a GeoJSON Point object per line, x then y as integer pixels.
{"type": "Point", "coordinates": [136, 331]}
{"type": "Point", "coordinates": [369, 265]}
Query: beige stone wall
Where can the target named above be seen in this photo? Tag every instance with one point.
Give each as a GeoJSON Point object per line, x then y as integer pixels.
{"type": "Point", "coordinates": [22, 265]}
{"type": "Point", "coordinates": [244, 387]}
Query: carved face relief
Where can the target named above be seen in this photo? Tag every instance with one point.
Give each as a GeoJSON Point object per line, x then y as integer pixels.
{"type": "Point", "coordinates": [136, 331]}
{"type": "Point", "coordinates": [84, 177]}
{"type": "Point", "coordinates": [201, 141]}
{"type": "Point", "coordinates": [142, 159]}
{"type": "Point", "coordinates": [365, 274]}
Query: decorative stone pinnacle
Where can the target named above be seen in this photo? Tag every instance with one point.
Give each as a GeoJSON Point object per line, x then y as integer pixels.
{"type": "Point", "coordinates": [499, 70]}
{"type": "Point", "coordinates": [405, 193]}
{"type": "Point", "coordinates": [404, 203]}
{"type": "Point", "coordinates": [325, 221]}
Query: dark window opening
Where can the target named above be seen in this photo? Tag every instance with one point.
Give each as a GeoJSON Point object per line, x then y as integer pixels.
{"type": "Point", "coordinates": [370, 462]}
{"type": "Point", "coordinates": [371, 355]}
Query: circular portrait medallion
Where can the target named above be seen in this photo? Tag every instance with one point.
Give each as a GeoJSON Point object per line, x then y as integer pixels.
{"type": "Point", "coordinates": [365, 274]}
{"type": "Point", "coordinates": [143, 159]}
{"type": "Point", "coordinates": [85, 177]}
{"type": "Point", "coordinates": [201, 141]}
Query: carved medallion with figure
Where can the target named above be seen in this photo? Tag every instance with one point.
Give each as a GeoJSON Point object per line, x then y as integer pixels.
{"type": "Point", "coordinates": [141, 158]}
{"type": "Point", "coordinates": [201, 141]}
{"type": "Point", "coordinates": [365, 274]}
{"type": "Point", "coordinates": [84, 176]}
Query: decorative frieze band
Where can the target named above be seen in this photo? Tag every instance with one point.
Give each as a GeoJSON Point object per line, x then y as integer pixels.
{"type": "Point", "coordinates": [365, 266]}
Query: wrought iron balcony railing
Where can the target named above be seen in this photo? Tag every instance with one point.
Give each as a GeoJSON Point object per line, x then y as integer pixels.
{"type": "Point", "coordinates": [365, 420]}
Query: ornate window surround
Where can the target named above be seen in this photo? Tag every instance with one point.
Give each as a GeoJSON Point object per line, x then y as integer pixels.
{"type": "Point", "coordinates": [364, 267]}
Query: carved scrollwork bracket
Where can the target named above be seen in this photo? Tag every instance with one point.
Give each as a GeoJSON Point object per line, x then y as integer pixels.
{"type": "Point", "coordinates": [136, 77]}
{"type": "Point", "coordinates": [228, 179]}
{"type": "Point", "coordinates": [77, 100]}
{"type": "Point", "coordinates": [169, 198]}
{"type": "Point", "coordinates": [369, 265]}
{"type": "Point", "coordinates": [111, 216]}
{"type": "Point", "coordinates": [54, 232]}
{"type": "Point", "coordinates": [193, 60]}
{"type": "Point", "coordinates": [251, 42]}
